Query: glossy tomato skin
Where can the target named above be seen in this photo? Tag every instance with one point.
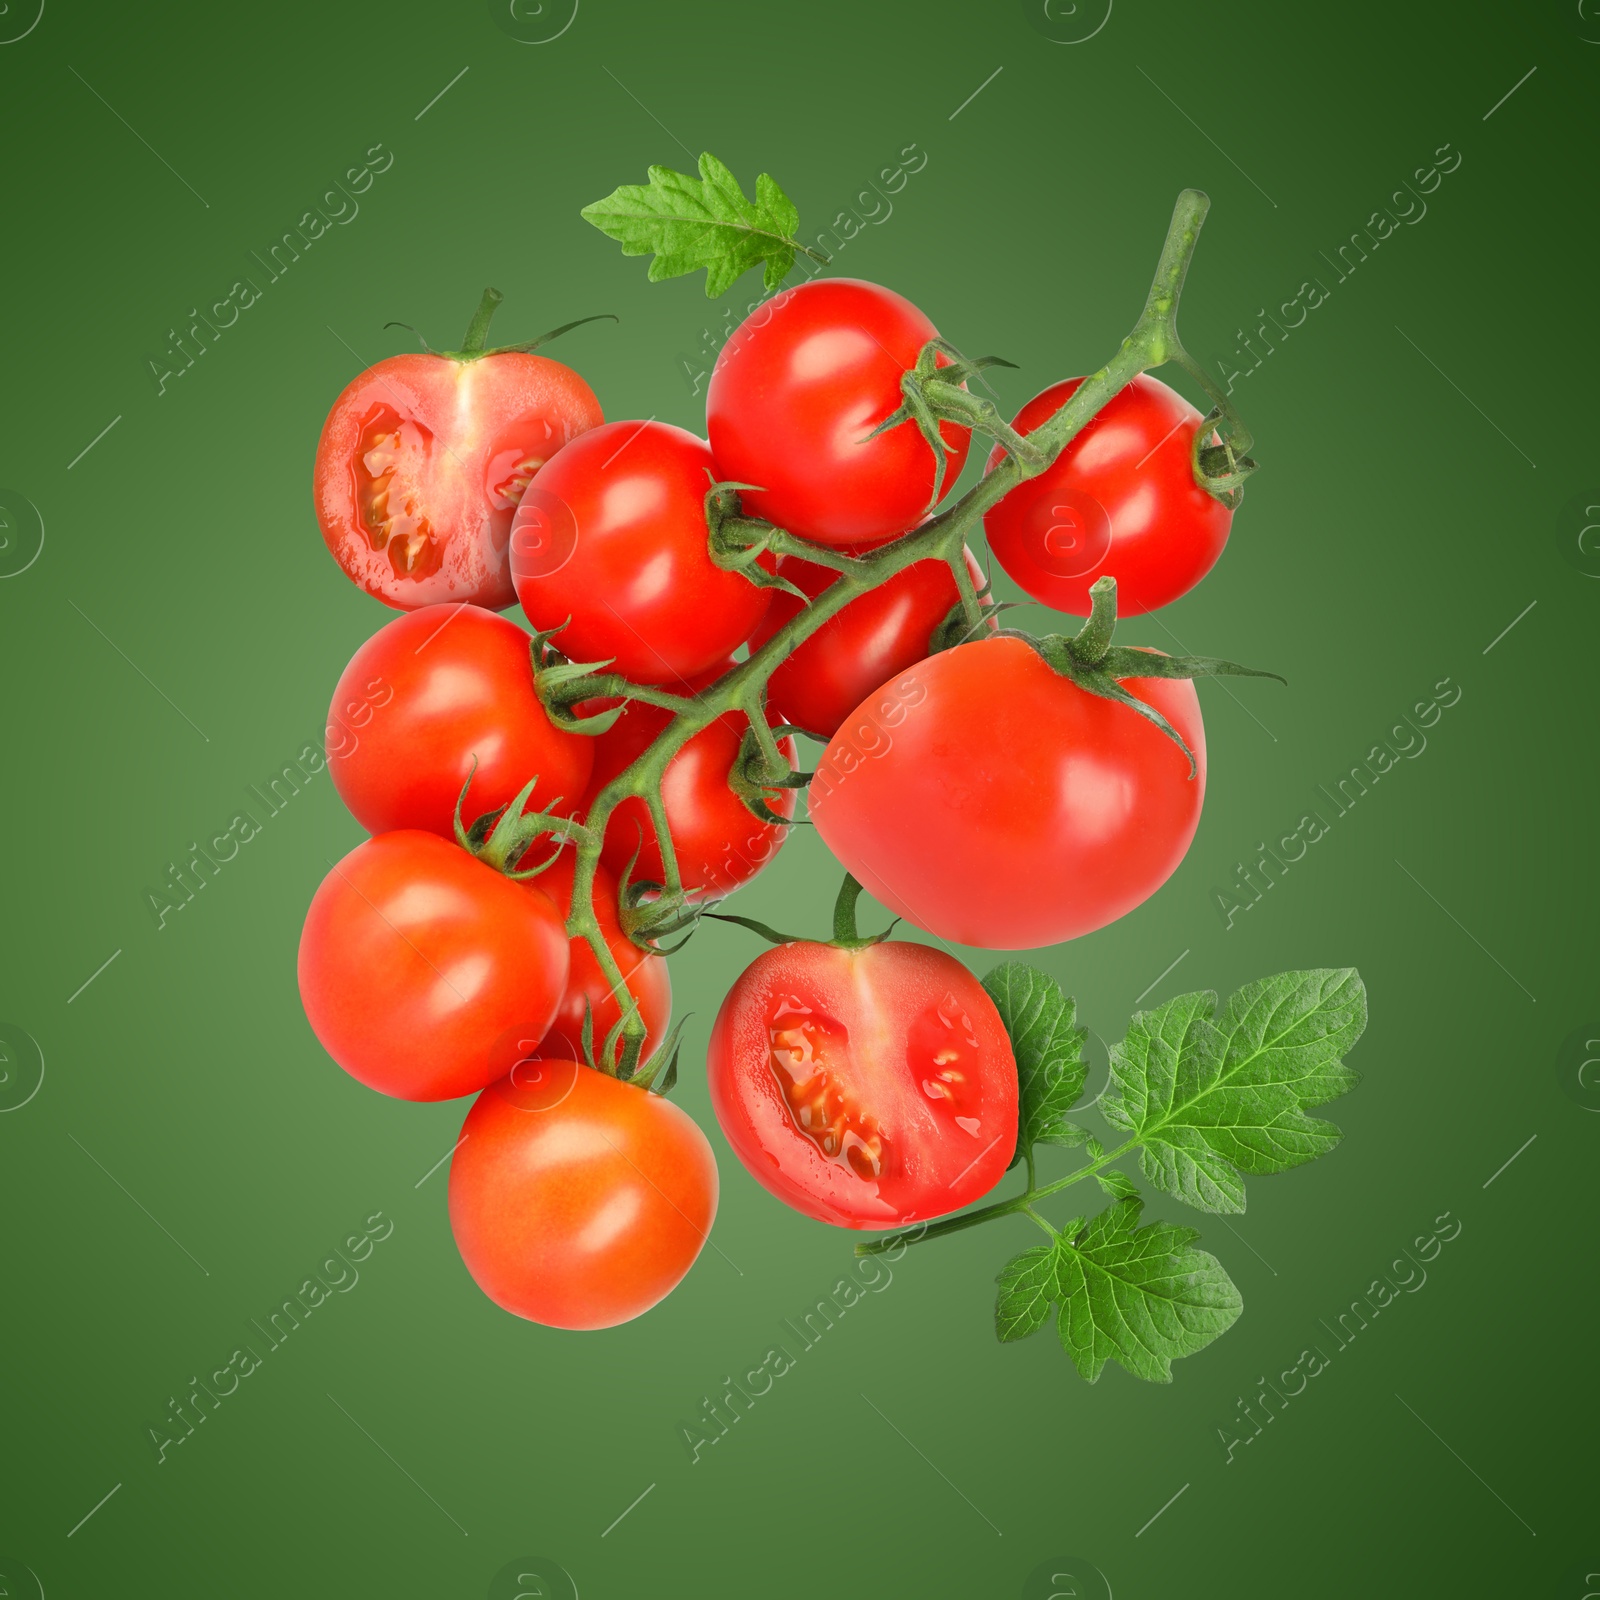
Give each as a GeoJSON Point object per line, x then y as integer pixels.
{"type": "Point", "coordinates": [1120, 500]}
{"type": "Point", "coordinates": [794, 394]}
{"type": "Point", "coordinates": [421, 464]}
{"type": "Point", "coordinates": [645, 974]}
{"type": "Point", "coordinates": [720, 843]}
{"type": "Point", "coordinates": [876, 636]}
{"type": "Point", "coordinates": [613, 535]}
{"type": "Point", "coordinates": [423, 699]}
{"type": "Point", "coordinates": [578, 1201]}
{"type": "Point", "coordinates": [865, 1088]}
{"type": "Point", "coordinates": [1042, 812]}
{"type": "Point", "coordinates": [425, 973]}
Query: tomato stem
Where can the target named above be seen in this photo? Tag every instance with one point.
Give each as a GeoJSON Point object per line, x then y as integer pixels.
{"type": "Point", "coordinates": [998, 1208]}
{"type": "Point", "coordinates": [844, 913]}
{"type": "Point", "coordinates": [477, 337]}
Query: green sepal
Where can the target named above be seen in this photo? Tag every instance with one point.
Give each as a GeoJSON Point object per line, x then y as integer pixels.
{"type": "Point", "coordinates": [587, 1039]}
{"type": "Point", "coordinates": [1090, 660]}
{"type": "Point", "coordinates": [659, 1074]}
{"type": "Point", "coordinates": [736, 542]}
{"type": "Point", "coordinates": [750, 792]}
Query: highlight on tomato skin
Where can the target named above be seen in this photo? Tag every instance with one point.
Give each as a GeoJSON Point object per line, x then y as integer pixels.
{"type": "Point", "coordinates": [866, 1088]}
{"type": "Point", "coordinates": [579, 1201]}
{"type": "Point", "coordinates": [1042, 812]}
{"type": "Point", "coordinates": [1121, 498]}
{"type": "Point", "coordinates": [423, 460]}
{"type": "Point", "coordinates": [438, 696]}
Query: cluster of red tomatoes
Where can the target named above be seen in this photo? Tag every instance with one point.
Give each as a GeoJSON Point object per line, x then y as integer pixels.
{"type": "Point", "coordinates": [974, 791]}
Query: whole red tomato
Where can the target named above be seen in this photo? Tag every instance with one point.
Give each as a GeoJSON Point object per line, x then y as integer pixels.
{"type": "Point", "coordinates": [429, 695]}
{"type": "Point", "coordinates": [425, 973]}
{"type": "Point", "coordinates": [866, 1088]}
{"type": "Point", "coordinates": [423, 459]}
{"type": "Point", "coordinates": [861, 648]}
{"type": "Point", "coordinates": [1042, 812]}
{"type": "Point", "coordinates": [578, 1201]}
{"type": "Point", "coordinates": [645, 974]}
{"type": "Point", "coordinates": [613, 537]}
{"type": "Point", "coordinates": [1120, 500]}
{"type": "Point", "coordinates": [720, 843]}
{"type": "Point", "coordinates": [796, 391]}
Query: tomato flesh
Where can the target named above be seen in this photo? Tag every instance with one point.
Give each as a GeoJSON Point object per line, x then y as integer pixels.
{"type": "Point", "coordinates": [865, 1088]}
{"type": "Point", "coordinates": [422, 461]}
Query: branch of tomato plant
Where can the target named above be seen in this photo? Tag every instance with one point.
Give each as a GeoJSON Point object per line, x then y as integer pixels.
{"type": "Point", "coordinates": [736, 541]}
{"type": "Point", "coordinates": [1021, 1204]}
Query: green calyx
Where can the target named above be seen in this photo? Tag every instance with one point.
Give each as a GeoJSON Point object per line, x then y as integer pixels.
{"type": "Point", "coordinates": [845, 935]}
{"type": "Point", "coordinates": [932, 394]}
{"type": "Point", "coordinates": [1097, 666]}
{"type": "Point", "coordinates": [475, 345]}
{"type": "Point", "coordinates": [500, 838]}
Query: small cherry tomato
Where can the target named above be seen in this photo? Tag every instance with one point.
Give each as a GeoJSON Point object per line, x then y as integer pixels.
{"type": "Point", "coordinates": [875, 637]}
{"type": "Point", "coordinates": [433, 698]}
{"type": "Point", "coordinates": [1120, 501]}
{"type": "Point", "coordinates": [645, 974]}
{"type": "Point", "coordinates": [794, 395]}
{"type": "Point", "coordinates": [425, 973]}
{"type": "Point", "coordinates": [613, 537]}
{"type": "Point", "coordinates": [866, 1088]}
{"type": "Point", "coordinates": [579, 1201]}
{"type": "Point", "coordinates": [719, 842]}
{"type": "Point", "coordinates": [421, 464]}
{"type": "Point", "coordinates": [1041, 812]}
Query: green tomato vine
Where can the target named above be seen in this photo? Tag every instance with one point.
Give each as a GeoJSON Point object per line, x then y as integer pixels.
{"type": "Point", "coordinates": [711, 225]}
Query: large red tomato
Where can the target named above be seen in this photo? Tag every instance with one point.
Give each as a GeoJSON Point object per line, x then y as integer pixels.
{"type": "Point", "coordinates": [423, 699]}
{"type": "Point", "coordinates": [613, 537]}
{"type": "Point", "coordinates": [720, 843]}
{"type": "Point", "coordinates": [1119, 501]}
{"type": "Point", "coordinates": [421, 464]}
{"type": "Point", "coordinates": [861, 648]}
{"type": "Point", "coordinates": [425, 973]}
{"type": "Point", "coordinates": [1040, 812]}
{"type": "Point", "coordinates": [795, 393]}
{"type": "Point", "coordinates": [576, 1200]}
{"type": "Point", "coordinates": [645, 974]}
{"type": "Point", "coordinates": [866, 1088]}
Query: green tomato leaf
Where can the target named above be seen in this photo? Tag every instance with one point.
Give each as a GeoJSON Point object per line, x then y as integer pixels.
{"type": "Point", "coordinates": [1027, 1288]}
{"type": "Point", "coordinates": [1048, 1045]}
{"type": "Point", "coordinates": [689, 223]}
{"type": "Point", "coordinates": [1141, 1297]}
{"type": "Point", "coordinates": [1117, 1184]}
{"type": "Point", "coordinates": [1215, 1099]}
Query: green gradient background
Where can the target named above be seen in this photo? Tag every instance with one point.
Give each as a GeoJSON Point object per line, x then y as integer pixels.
{"type": "Point", "coordinates": [1391, 535]}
